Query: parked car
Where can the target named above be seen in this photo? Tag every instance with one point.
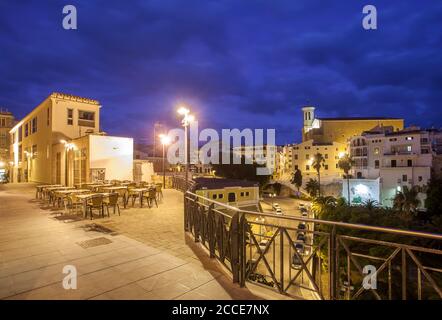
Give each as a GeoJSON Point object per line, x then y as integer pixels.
{"type": "Point", "coordinates": [263, 244]}
{"type": "Point", "coordinates": [299, 246]}
{"type": "Point", "coordinates": [300, 237]}
{"type": "Point", "coordinates": [296, 262]}
{"type": "Point", "coordinates": [304, 212]}
{"type": "Point", "coordinates": [276, 206]}
{"type": "Point", "coordinates": [301, 205]}
{"type": "Point", "coordinates": [302, 226]}
{"type": "Point", "coordinates": [278, 211]}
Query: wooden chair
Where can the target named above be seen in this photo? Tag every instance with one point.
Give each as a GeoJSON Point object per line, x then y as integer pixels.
{"type": "Point", "coordinates": [112, 201]}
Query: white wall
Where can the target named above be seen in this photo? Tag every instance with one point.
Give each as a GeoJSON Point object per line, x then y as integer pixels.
{"type": "Point", "coordinates": [361, 190]}
{"type": "Point", "coordinates": [115, 154]}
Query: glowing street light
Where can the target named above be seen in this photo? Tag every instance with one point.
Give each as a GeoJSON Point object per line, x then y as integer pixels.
{"type": "Point", "coordinates": [187, 119]}
{"type": "Point", "coordinates": [165, 140]}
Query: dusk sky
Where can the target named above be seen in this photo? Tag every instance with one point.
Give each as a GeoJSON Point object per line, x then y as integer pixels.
{"type": "Point", "coordinates": [238, 64]}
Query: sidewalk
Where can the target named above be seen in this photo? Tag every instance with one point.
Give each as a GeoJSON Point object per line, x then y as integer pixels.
{"type": "Point", "coordinates": [147, 256]}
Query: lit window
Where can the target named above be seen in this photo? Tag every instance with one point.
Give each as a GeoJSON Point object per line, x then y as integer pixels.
{"type": "Point", "coordinates": [376, 150]}
{"type": "Point", "coordinates": [409, 138]}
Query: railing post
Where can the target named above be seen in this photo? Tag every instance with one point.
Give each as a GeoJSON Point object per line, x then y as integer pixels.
{"type": "Point", "coordinates": [235, 247]}
{"type": "Point", "coordinates": [185, 213]}
{"type": "Point", "coordinates": [332, 258]}
{"type": "Point", "coordinates": [211, 231]}
{"type": "Point", "coordinates": [242, 248]}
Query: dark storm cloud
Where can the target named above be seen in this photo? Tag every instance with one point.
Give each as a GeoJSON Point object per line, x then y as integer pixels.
{"type": "Point", "coordinates": [238, 63]}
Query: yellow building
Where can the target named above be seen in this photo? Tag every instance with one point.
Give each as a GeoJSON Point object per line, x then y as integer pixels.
{"type": "Point", "coordinates": [327, 130]}
{"type": "Point", "coordinates": [58, 117]}
{"type": "Point", "coordinates": [303, 158]}
{"type": "Point", "coordinates": [6, 123]}
{"type": "Point", "coordinates": [233, 192]}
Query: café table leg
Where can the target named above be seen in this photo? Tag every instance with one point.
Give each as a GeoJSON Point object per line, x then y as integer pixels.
{"type": "Point", "coordinates": [85, 207]}
{"type": "Point", "coordinates": [141, 199]}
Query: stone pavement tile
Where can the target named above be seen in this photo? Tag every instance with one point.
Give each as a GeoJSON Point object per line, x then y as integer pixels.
{"type": "Point", "coordinates": [129, 292]}
{"type": "Point", "coordinates": [171, 291]}
{"type": "Point", "coordinates": [192, 295]}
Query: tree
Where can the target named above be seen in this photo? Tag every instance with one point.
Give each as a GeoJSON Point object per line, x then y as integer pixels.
{"type": "Point", "coordinates": [323, 204]}
{"type": "Point", "coordinates": [312, 187]}
{"type": "Point", "coordinates": [406, 200]}
{"type": "Point", "coordinates": [297, 179]}
{"type": "Point", "coordinates": [433, 202]}
{"type": "Point", "coordinates": [370, 204]}
{"type": "Point", "coordinates": [345, 164]}
{"type": "Point", "coordinates": [317, 164]}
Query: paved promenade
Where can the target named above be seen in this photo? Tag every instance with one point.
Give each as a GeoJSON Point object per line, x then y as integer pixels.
{"type": "Point", "coordinates": [145, 256]}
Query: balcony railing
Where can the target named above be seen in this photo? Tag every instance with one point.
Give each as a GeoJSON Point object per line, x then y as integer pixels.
{"type": "Point", "coordinates": [262, 248]}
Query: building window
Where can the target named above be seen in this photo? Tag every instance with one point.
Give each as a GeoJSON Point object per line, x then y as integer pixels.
{"type": "Point", "coordinates": [393, 163]}
{"type": "Point", "coordinates": [404, 178]}
{"type": "Point", "coordinates": [86, 118]}
{"type": "Point", "coordinates": [34, 125]}
{"type": "Point", "coordinates": [247, 193]}
{"type": "Point", "coordinates": [376, 150]}
{"type": "Point", "coordinates": [296, 157]}
{"type": "Point", "coordinates": [326, 156]}
{"type": "Point", "coordinates": [376, 164]}
{"type": "Point", "coordinates": [20, 135]}
{"type": "Point", "coordinates": [296, 167]}
{"type": "Point", "coordinates": [307, 157]}
{"type": "Point", "coordinates": [307, 167]}
{"type": "Point", "coordinates": [420, 179]}
{"type": "Point", "coordinates": [409, 163]}
{"type": "Point", "coordinates": [409, 138]}
{"type": "Point", "coordinates": [20, 153]}
{"type": "Point", "coordinates": [34, 151]}
{"type": "Point", "coordinates": [326, 167]}
{"type": "Point", "coordinates": [409, 148]}
{"type": "Point", "coordinates": [242, 194]}
{"type": "Point", "coordinates": [214, 196]}
{"type": "Point", "coordinates": [220, 196]}
{"type": "Point", "coordinates": [26, 130]}
{"type": "Point", "coordinates": [47, 117]}
{"type": "Point", "coordinates": [70, 117]}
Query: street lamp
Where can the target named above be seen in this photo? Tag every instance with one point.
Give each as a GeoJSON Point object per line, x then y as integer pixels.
{"type": "Point", "coordinates": [187, 119]}
{"type": "Point", "coordinates": [165, 140]}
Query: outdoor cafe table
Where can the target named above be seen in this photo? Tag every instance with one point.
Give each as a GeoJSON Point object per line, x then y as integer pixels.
{"type": "Point", "coordinates": [96, 187]}
{"type": "Point", "coordinates": [84, 184]}
{"type": "Point", "coordinates": [85, 197]}
{"type": "Point", "coordinates": [140, 192]}
{"type": "Point", "coordinates": [116, 189]}
{"type": "Point", "coordinates": [51, 189]}
{"type": "Point", "coordinates": [39, 188]}
{"type": "Point", "coordinates": [60, 194]}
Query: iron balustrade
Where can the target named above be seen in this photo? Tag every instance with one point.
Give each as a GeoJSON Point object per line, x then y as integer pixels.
{"type": "Point", "coordinates": [263, 248]}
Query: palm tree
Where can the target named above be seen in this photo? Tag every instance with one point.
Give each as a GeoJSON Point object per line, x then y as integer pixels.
{"type": "Point", "coordinates": [370, 204]}
{"type": "Point", "coordinates": [406, 200]}
{"type": "Point", "coordinates": [312, 187]}
{"type": "Point", "coordinates": [345, 163]}
{"type": "Point", "coordinates": [317, 164]}
{"type": "Point", "coordinates": [297, 179]}
{"type": "Point", "coordinates": [323, 204]}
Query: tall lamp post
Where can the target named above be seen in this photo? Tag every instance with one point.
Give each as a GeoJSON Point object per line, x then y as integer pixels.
{"type": "Point", "coordinates": [187, 119]}
{"type": "Point", "coordinates": [165, 140]}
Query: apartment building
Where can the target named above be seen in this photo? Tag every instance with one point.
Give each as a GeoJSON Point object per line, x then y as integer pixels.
{"type": "Point", "coordinates": [262, 155]}
{"type": "Point", "coordinates": [396, 158]}
{"type": "Point", "coordinates": [59, 117]}
{"type": "Point", "coordinates": [302, 159]}
{"type": "Point", "coordinates": [7, 121]}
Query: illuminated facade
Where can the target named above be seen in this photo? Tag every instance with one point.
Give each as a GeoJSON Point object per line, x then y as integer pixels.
{"type": "Point", "coordinates": [328, 130]}
{"type": "Point", "coordinates": [58, 117]}
{"type": "Point", "coordinates": [397, 158]}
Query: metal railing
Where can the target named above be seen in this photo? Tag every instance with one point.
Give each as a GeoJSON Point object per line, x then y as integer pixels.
{"type": "Point", "coordinates": [180, 183]}
{"type": "Point", "coordinates": [330, 262]}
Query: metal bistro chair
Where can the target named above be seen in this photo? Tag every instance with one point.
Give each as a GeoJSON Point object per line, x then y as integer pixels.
{"type": "Point", "coordinates": [132, 194]}
{"type": "Point", "coordinates": [112, 201]}
{"type": "Point", "coordinates": [151, 196]}
{"type": "Point", "coordinates": [73, 203]}
{"type": "Point", "coordinates": [158, 188]}
{"type": "Point", "coordinates": [95, 202]}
